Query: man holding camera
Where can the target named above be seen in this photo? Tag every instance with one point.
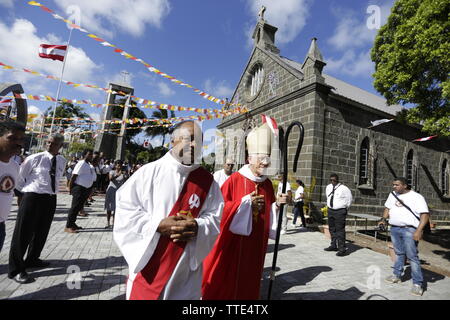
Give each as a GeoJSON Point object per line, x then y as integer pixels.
{"type": "Point", "coordinates": [408, 215]}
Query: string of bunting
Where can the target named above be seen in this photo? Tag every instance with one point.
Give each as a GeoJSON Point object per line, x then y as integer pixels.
{"type": "Point", "coordinates": [159, 122]}
{"type": "Point", "coordinates": [41, 134]}
{"type": "Point", "coordinates": [128, 55]}
{"type": "Point", "coordinates": [146, 106]}
{"type": "Point", "coordinates": [75, 85]}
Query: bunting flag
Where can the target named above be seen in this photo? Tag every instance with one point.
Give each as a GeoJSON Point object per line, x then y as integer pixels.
{"type": "Point", "coordinates": [5, 103]}
{"type": "Point", "coordinates": [130, 56]}
{"type": "Point", "coordinates": [137, 99]}
{"type": "Point", "coordinates": [425, 139]}
{"type": "Point", "coordinates": [378, 122]}
{"type": "Point", "coordinates": [150, 104]}
{"type": "Point", "coordinates": [271, 123]}
{"type": "Point", "coordinates": [53, 52]}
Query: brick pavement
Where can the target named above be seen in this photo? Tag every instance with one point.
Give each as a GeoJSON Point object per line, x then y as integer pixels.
{"type": "Point", "coordinates": [89, 266]}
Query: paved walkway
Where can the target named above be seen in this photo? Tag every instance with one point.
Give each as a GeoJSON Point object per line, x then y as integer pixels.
{"type": "Point", "coordinates": [88, 265]}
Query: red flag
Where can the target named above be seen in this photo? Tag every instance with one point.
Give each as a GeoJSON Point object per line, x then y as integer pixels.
{"type": "Point", "coordinates": [425, 139]}
{"type": "Point", "coordinates": [52, 52]}
{"type": "Point", "coordinates": [271, 123]}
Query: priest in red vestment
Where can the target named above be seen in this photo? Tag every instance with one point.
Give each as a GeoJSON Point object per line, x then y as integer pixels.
{"type": "Point", "coordinates": [233, 269]}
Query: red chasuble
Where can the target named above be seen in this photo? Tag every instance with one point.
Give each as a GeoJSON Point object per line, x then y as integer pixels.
{"type": "Point", "coordinates": [150, 282]}
{"type": "Point", "coordinates": [233, 269]}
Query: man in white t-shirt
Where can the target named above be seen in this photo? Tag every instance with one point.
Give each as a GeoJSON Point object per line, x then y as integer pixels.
{"type": "Point", "coordinates": [408, 215]}
{"type": "Point", "coordinates": [11, 141]}
{"type": "Point", "coordinates": [289, 192]}
{"type": "Point", "coordinates": [222, 175]}
{"type": "Point", "coordinates": [83, 177]}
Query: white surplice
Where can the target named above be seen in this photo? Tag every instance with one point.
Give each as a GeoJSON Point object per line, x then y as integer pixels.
{"type": "Point", "coordinates": [142, 202]}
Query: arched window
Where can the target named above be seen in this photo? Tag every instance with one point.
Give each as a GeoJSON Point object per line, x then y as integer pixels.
{"type": "Point", "coordinates": [364, 162]}
{"type": "Point", "coordinates": [255, 80]}
{"type": "Point", "coordinates": [444, 178]}
{"type": "Point", "coordinates": [410, 168]}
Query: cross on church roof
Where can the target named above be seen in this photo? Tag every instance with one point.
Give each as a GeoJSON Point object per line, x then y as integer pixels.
{"type": "Point", "coordinates": [261, 13]}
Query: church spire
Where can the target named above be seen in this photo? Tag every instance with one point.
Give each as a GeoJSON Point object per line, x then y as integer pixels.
{"type": "Point", "coordinates": [264, 33]}
{"type": "Point", "coordinates": [314, 63]}
{"type": "Point", "coordinates": [314, 51]}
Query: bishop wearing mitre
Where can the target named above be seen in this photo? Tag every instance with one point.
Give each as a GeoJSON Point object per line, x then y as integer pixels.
{"type": "Point", "coordinates": [233, 269]}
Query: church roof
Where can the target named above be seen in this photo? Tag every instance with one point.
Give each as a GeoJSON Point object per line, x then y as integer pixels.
{"type": "Point", "coordinates": [349, 91]}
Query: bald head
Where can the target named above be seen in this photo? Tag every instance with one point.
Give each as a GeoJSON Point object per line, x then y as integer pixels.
{"type": "Point", "coordinates": [187, 142]}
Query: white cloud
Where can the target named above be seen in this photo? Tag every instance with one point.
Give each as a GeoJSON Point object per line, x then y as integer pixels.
{"type": "Point", "coordinates": [219, 89]}
{"type": "Point", "coordinates": [6, 3]}
{"type": "Point", "coordinates": [289, 16]}
{"type": "Point", "coordinates": [352, 63]}
{"type": "Point", "coordinates": [353, 39]}
{"type": "Point", "coordinates": [129, 16]}
{"type": "Point", "coordinates": [19, 47]}
{"type": "Point", "coordinates": [164, 89]}
{"type": "Point", "coordinates": [34, 110]}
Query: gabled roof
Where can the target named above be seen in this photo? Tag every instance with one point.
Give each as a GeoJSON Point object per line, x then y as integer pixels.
{"type": "Point", "coordinates": [349, 91]}
{"type": "Point", "coordinates": [353, 93]}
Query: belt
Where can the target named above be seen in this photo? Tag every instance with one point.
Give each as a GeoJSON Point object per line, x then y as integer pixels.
{"type": "Point", "coordinates": [403, 226]}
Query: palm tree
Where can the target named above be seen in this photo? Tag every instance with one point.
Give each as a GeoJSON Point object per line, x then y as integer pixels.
{"type": "Point", "coordinates": [160, 131]}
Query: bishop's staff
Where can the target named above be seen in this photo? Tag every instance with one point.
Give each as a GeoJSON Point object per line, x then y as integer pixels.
{"type": "Point", "coordinates": [284, 148]}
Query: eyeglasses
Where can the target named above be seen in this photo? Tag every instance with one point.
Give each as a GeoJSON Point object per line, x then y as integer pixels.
{"type": "Point", "coordinates": [230, 164]}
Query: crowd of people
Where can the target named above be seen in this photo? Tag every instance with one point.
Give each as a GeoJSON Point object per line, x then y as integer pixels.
{"type": "Point", "coordinates": [184, 233]}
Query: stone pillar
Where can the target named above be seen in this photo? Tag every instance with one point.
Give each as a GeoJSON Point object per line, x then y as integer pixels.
{"type": "Point", "coordinates": [106, 142]}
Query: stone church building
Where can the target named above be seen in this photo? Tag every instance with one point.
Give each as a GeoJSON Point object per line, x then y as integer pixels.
{"type": "Point", "coordinates": [338, 133]}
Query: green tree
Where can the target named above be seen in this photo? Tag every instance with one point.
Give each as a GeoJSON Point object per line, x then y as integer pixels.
{"type": "Point", "coordinates": [160, 131]}
{"type": "Point", "coordinates": [65, 110]}
{"type": "Point", "coordinates": [157, 153]}
{"type": "Point", "coordinates": [77, 147]}
{"type": "Point", "coordinates": [412, 61]}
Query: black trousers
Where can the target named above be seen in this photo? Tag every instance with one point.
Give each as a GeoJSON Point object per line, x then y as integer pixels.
{"type": "Point", "coordinates": [34, 219]}
{"type": "Point", "coordinates": [336, 224]}
{"type": "Point", "coordinates": [298, 211]}
{"type": "Point", "coordinates": [79, 196]}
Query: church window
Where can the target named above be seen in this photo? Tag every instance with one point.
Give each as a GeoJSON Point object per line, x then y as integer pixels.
{"type": "Point", "coordinates": [255, 80]}
{"type": "Point", "coordinates": [444, 178]}
{"type": "Point", "coordinates": [364, 162]}
{"type": "Point", "coordinates": [411, 170]}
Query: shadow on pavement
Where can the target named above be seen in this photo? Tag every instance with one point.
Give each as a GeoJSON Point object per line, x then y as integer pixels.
{"type": "Point", "coordinates": [69, 290]}
{"type": "Point", "coordinates": [351, 293]}
{"type": "Point", "coordinates": [88, 285]}
{"type": "Point", "coordinates": [281, 246]}
{"type": "Point", "coordinates": [428, 276]}
{"type": "Point", "coordinates": [283, 282]}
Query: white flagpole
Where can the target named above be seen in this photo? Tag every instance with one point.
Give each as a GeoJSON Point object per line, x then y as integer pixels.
{"type": "Point", "coordinates": [60, 80]}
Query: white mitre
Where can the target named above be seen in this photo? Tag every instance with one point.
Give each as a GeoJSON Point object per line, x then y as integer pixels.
{"type": "Point", "coordinates": [259, 140]}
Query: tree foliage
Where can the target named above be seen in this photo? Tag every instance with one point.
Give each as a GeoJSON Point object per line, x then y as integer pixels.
{"type": "Point", "coordinates": [160, 131]}
{"type": "Point", "coordinates": [65, 110]}
{"type": "Point", "coordinates": [412, 61]}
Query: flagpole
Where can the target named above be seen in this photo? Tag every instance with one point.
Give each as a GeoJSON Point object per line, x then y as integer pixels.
{"type": "Point", "coordinates": [60, 80]}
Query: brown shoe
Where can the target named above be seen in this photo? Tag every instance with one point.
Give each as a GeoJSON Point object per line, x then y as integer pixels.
{"type": "Point", "coordinates": [83, 214]}
{"type": "Point", "coordinates": [70, 230]}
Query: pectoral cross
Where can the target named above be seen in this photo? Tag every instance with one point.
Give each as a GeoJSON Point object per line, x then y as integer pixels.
{"type": "Point", "coordinates": [255, 211]}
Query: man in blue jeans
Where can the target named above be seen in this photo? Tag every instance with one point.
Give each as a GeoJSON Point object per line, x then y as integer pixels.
{"type": "Point", "coordinates": [408, 215]}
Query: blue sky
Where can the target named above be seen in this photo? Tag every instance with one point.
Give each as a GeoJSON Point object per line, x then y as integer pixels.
{"type": "Point", "coordinates": [203, 43]}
